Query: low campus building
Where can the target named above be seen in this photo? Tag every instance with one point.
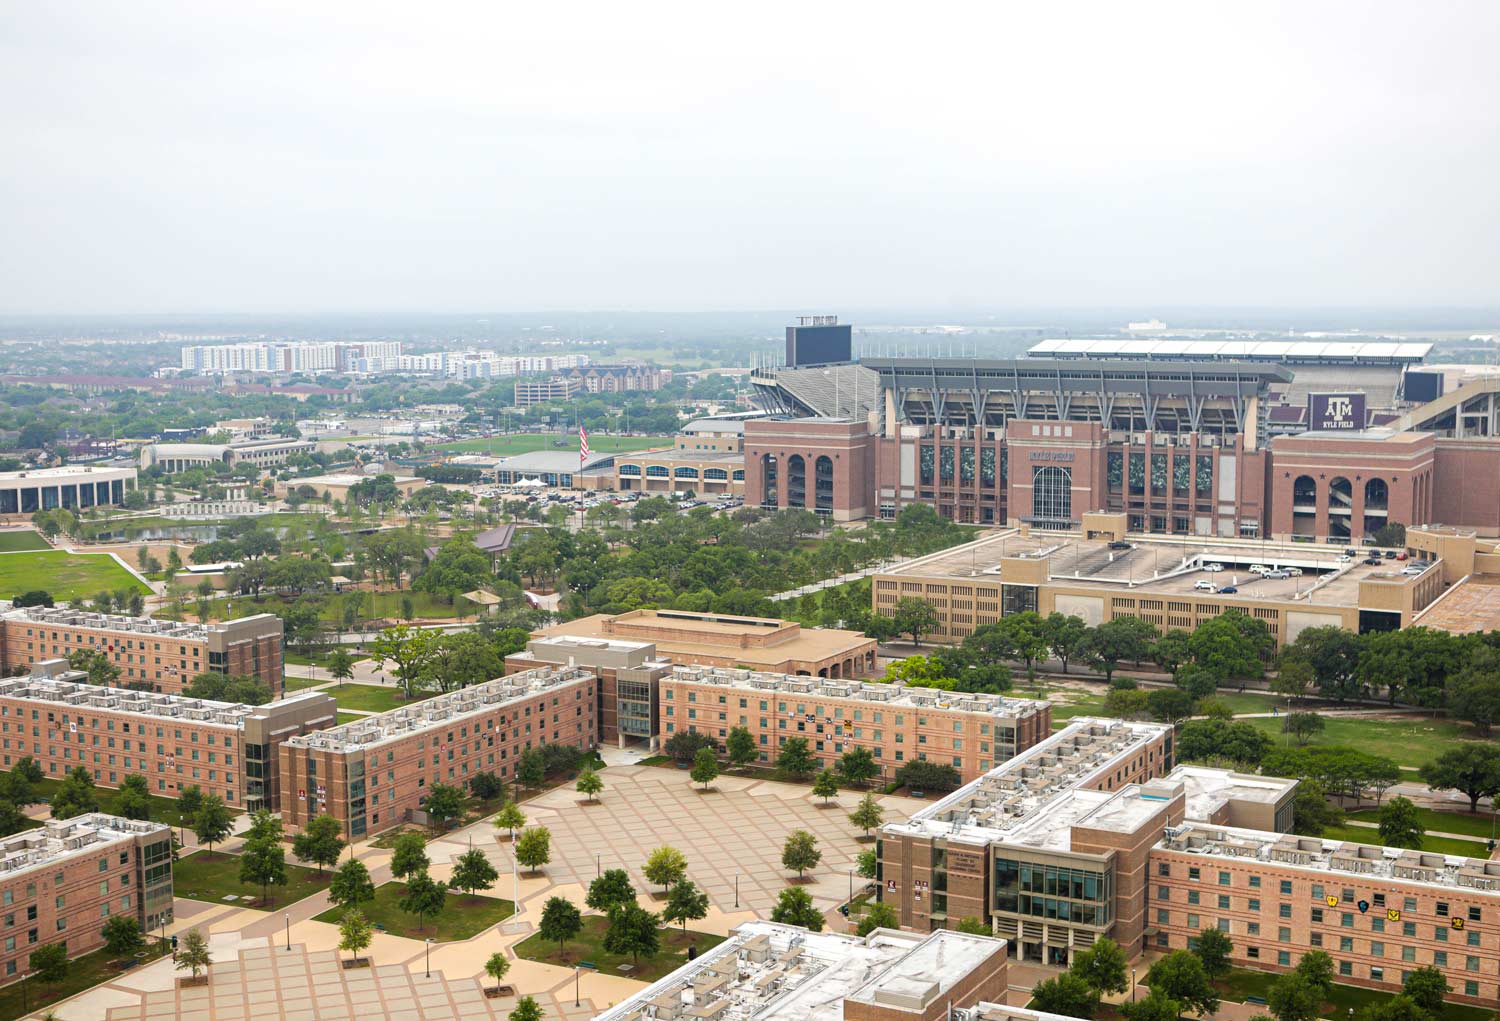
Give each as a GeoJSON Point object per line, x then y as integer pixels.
{"type": "Point", "coordinates": [60, 884]}
{"type": "Point", "coordinates": [222, 748]}
{"type": "Point", "coordinates": [75, 487]}
{"type": "Point", "coordinates": [374, 773]}
{"type": "Point", "coordinates": [716, 639]}
{"type": "Point", "coordinates": [707, 458]}
{"type": "Point", "coordinates": [165, 654]}
{"type": "Point", "coordinates": [970, 732]}
{"type": "Point", "coordinates": [773, 972]}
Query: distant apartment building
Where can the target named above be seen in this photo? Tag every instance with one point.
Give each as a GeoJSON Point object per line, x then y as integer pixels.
{"type": "Point", "coordinates": [620, 378]}
{"type": "Point", "coordinates": [75, 487]}
{"type": "Point", "coordinates": [164, 654]}
{"type": "Point", "coordinates": [970, 732]}
{"type": "Point", "coordinates": [61, 882]}
{"type": "Point", "coordinates": [465, 365]}
{"type": "Point", "coordinates": [689, 638]}
{"type": "Point", "coordinates": [531, 392]}
{"type": "Point", "coordinates": [288, 357]}
{"type": "Point", "coordinates": [222, 748]}
{"type": "Point", "coordinates": [374, 773]}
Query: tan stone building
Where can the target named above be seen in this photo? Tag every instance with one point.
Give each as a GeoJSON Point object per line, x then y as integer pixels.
{"type": "Point", "coordinates": [707, 458]}
{"type": "Point", "coordinates": [174, 742]}
{"type": "Point", "coordinates": [715, 639]}
{"type": "Point", "coordinates": [60, 884]}
{"type": "Point", "coordinates": [970, 732]}
{"type": "Point", "coordinates": [164, 654]}
{"type": "Point", "coordinates": [374, 773]}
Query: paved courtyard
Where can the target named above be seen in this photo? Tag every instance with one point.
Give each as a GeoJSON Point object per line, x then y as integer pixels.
{"type": "Point", "coordinates": [734, 830]}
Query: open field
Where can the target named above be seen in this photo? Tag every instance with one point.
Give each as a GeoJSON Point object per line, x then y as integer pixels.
{"type": "Point", "coordinates": [64, 575]}
{"type": "Point", "coordinates": [463, 917]}
{"type": "Point", "coordinates": [1410, 742]}
{"type": "Point", "coordinates": [589, 947]}
{"type": "Point", "coordinates": [1478, 824]}
{"type": "Point", "coordinates": [13, 542]}
{"type": "Point", "coordinates": [1345, 1001]}
{"type": "Point", "coordinates": [521, 443]}
{"type": "Point", "coordinates": [1436, 845]}
{"type": "Point", "coordinates": [372, 698]}
{"type": "Point", "coordinates": [213, 875]}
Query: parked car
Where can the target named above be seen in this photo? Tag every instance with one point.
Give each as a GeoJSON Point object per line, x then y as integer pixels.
{"type": "Point", "coordinates": [1343, 558]}
{"type": "Point", "coordinates": [1401, 556]}
{"type": "Point", "coordinates": [1390, 554]}
{"type": "Point", "coordinates": [1374, 561]}
{"type": "Point", "coordinates": [1350, 551]}
{"type": "Point", "coordinates": [1204, 586]}
{"type": "Point", "coordinates": [1118, 544]}
{"type": "Point", "coordinates": [1276, 574]}
{"type": "Point", "coordinates": [1414, 569]}
{"type": "Point", "coordinates": [1213, 567]}
{"type": "Point", "coordinates": [1295, 572]}
{"type": "Point", "coordinates": [1228, 590]}
{"type": "Point", "coordinates": [1258, 568]}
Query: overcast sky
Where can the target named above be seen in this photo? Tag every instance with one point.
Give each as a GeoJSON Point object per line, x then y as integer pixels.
{"type": "Point", "coordinates": [165, 157]}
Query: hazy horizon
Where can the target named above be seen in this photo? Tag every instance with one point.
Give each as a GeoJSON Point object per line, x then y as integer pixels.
{"type": "Point", "coordinates": [174, 160]}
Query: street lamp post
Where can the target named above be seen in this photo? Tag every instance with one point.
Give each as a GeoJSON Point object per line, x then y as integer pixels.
{"type": "Point", "coordinates": [429, 957]}
{"type": "Point", "coordinates": [736, 890]}
{"type": "Point", "coordinates": [1132, 985]}
{"type": "Point", "coordinates": [288, 917]}
{"type": "Point", "coordinates": [576, 970]}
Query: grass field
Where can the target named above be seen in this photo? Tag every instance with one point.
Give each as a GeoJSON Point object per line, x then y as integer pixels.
{"type": "Point", "coordinates": [1478, 824]}
{"type": "Point", "coordinates": [213, 875]}
{"type": "Point", "coordinates": [1410, 742]}
{"type": "Point", "coordinates": [162, 809]}
{"type": "Point", "coordinates": [463, 918]}
{"type": "Point", "coordinates": [13, 542]}
{"type": "Point", "coordinates": [1243, 982]}
{"type": "Point", "coordinates": [320, 659]}
{"type": "Point", "coordinates": [64, 575]}
{"type": "Point", "coordinates": [589, 947]}
{"type": "Point", "coordinates": [372, 698]}
{"type": "Point", "coordinates": [348, 718]}
{"type": "Point", "coordinates": [1435, 845]}
{"type": "Point", "coordinates": [521, 443]}
{"type": "Point", "coordinates": [83, 972]}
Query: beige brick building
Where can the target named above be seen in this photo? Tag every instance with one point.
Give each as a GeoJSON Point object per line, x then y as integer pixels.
{"type": "Point", "coordinates": [970, 732]}
{"type": "Point", "coordinates": [374, 773]}
{"type": "Point", "coordinates": [162, 653]}
{"type": "Point", "coordinates": [222, 748]}
{"type": "Point", "coordinates": [62, 882]}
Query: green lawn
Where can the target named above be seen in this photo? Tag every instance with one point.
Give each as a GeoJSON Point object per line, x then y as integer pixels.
{"type": "Point", "coordinates": [162, 809]}
{"type": "Point", "coordinates": [349, 717]}
{"type": "Point", "coordinates": [463, 918]}
{"type": "Point", "coordinates": [13, 542]}
{"type": "Point", "coordinates": [1410, 742]}
{"type": "Point", "coordinates": [64, 575]}
{"type": "Point", "coordinates": [290, 683]}
{"type": "Point", "coordinates": [83, 972]}
{"type": "Point", "coordinates": [372, 698]}
{"type": "Point", "coordinates": [1436, 845]}
{"type": "Point", "coordinates": [1477, 824]}
{"type": "Point", "coordinates": [318, 659]}
{"type": "Point", "coordinates": [1242, 983]}
{"type": "Point", "coordinates": [1250, 701]}
{"type": "Point", "coordinates": [521, 443]}
{"type": "Point", "coordinates": [213, 875]}
{"type": "Point", "coordinates": [589, 947]}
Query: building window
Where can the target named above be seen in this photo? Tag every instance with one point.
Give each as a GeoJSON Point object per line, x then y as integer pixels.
{"type": "Point", "coordinates": [1052, 493]}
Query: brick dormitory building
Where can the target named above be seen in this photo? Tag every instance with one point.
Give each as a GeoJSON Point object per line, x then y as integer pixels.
{"type": "Point", "coordinates": [164, 654]}
{"type": "Point", "coordinates": [1093, 833]}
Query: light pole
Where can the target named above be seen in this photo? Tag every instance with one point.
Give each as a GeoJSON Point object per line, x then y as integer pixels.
{"type": "Point", "coordinates": [1132, 985]}
{"type": "Point", "coordinates": [598, 865]}
{"type": "Point", "coordinates": [429, 957]}
{"type": "Point", "coordinates": [288, 917]}
{"type": "Point", "coordinates": [736, 890]}
{"type": "Point", "coordinates": [576, 970]}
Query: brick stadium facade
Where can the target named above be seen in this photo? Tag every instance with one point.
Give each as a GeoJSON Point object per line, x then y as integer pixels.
{"type": "Point", "coordinates": [164, 654]}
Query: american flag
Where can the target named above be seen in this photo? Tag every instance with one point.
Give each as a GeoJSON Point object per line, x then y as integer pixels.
{"type": "Point", "coordinates": [583, 445]}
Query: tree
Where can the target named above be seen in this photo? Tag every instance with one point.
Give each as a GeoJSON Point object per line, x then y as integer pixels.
{"type": "Point", "coordinates": [879, 916]}
{"type": "Point", "coordinates": [340, 665]}
{"type": "Point", "coordinates": [1065, 994]}
{"type": "Point", "coordinates": [1293, 998]}
{"type": "Point", "coordinates": [612, 887]}
{"type": "Point", "coordinates": [1302, 726]}
{"type": "Point", "coordinates": [496, 967]}
{"type": "Point", "coordinates": [867, 863]}
{"type": "Point", "coordinates": [350, 884]}
{"type": "Point", "coordinates": [868, 814]}
{"type": "Point", "coordinates": [1397, 1008]}
{"type": "Point", "coordinates": [1115, 641]}
{"type": "Point", "coordinates": [100, 668]}
{"type": "Point", "coordinates": [526, 1009]}
{"type": "Point", "coordinates": [1426, 987]}
{"type": "Point", "coordinates": [485, 785]}
{"type": "Point", "coordinates": [916, 617]}
{"type": "Point", "coordinates": [193, 953]}
{"type": "Point", "coordinates": [705, 767]}
{"type": "Point", "coordinates": [473, 871]}
{"type": "Point", "coordinates": [76, 795]}
{"type": "Point", "coordinates": [1471, 768]}
{"type": "Point", "coordinates": [632, 930]}
{"type": "Point", "coordinates": [410, 649]}
{"type": "Point", "coordinates": [795, 907]}
{"type": "Point", "coordinates": [534, 847]}
{"type": "Point", "coordinates": [664, 867]}
{"type": "Point", "coordinates": [1172, 650]}
{"type": "Point", "coordinates": [1169, 705]}
{"type": "Point", "coordinates": [425, 897]}
{"type": "Point", "coordinates": [263, 860]}
{"type": "Point", "coordinates": [589, 784]}
{"type": "Point", "coordinates": [1401, 824]}
{"type": "Point", "coordinates": [355, 932]}
{"type": "Point", "coordinates": [1223, 741]}
{"type": "Point", "coordinates": [1332, 653]}
{"type": "Point", "coordinates": [1153, 1008]}
{"type": "Point", "coordinates": [134, 799]}
{"type": "Point", "coordinates": [1102, 966]}
{"type": "Point", "coordinates": [685, 903]}
{"type": "Point", "coordinates": [531, 768]}
{"type": "Point", "coordinates": [1474, 695]}
{"type": "Point", "coordinates": [320, 841]}
{"type": "Point", "coordinates": [1064, 635]}
{"type": "Point", "coordinates": [1293, 678]}
{"type": "Point", "coordinates": [213, 821]}
{"type": "Point", "coordinates": [974, 927]}
{"type": "Point", "coordinates": [924, 774]}
{"type": "Point", "coordinates": [560, 921]}
{"type": "Point", "coordinates": [1232, 646]}
{"type": "Point", "coordinates": [795, 760]}
{"type": "Point", "coordinates": [800, 852]}
{"type": "Point", "coordinates": [740, 747]}
{"type": "Point", "coordinates": [1181, 976]}
{"type": "Point", "coordinates": [510, 818]}
{"type": "Point", "coordinates": [122, 935]}
{"type": "Point", "coordinates": [444, 804]}
{"type": "Point", "coordinates": [1214, 948]}
{"type": "Point", "coordinates": [1316, 966]}
{"type": "Point", "coordinates": [684, 745]}
{"type": "Point", "coordinates": [826, 786]}
{"type": "Point", "coordinates": [858, 765]}
{"type": "Point", "coordinates": [409, 855]}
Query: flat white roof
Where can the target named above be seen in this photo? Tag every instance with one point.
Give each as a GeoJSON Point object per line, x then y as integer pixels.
{"type": "Point", "coordinates": [1250, 349]}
